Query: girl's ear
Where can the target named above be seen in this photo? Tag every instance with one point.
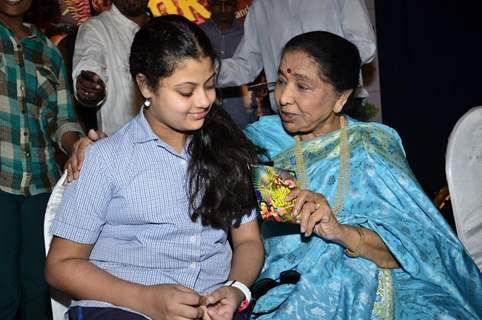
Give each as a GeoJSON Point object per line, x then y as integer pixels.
{"type": "Point", "coordinates": [143, 86]}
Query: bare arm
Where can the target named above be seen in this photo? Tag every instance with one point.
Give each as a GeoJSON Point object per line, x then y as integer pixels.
{"type": "Point", "coordinates": [317, 217]}
{"type": "Point", "coordinates": [67, 258]}
{"type": "Point", "coordinates": [68, 268]}
{"type": "Point", "coordinates": [369, 246]}
{"type": "Point", "coordinates": [247, 260]}
{"type": "Point", "coordinates": [248, 254]}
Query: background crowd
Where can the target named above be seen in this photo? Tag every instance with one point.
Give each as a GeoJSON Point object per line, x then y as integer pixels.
{"type": "Point", "coordinates": [149, 82]}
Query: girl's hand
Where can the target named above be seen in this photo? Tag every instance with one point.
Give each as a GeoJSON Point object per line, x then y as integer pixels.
{"type": "Point", "coordinates": [223, 303]}
{"type": "Point", "coordinates": [315, 215]}
{"type": "Point", "coordinates": [166, 302]}
{"type": "Point", "coordinates": [205, 314]}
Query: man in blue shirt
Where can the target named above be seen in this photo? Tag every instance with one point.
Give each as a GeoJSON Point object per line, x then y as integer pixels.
{"type": "Point", "coordinates": [225, 33]}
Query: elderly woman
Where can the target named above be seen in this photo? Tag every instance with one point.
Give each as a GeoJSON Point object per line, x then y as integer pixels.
{"type": "Point", "coordinates": [370, 245]}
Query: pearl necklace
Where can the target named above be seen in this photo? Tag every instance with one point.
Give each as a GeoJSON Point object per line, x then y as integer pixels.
{"type": "Point", "coordinates": [343, 175]}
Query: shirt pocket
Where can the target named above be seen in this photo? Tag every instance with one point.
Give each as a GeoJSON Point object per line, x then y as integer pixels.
{"type": "Point", "coordinates": [46, 98]}
{"type": "Point", "coordinates": [151, 196]}
{"type": "Point", "coordinates": [47, 85]}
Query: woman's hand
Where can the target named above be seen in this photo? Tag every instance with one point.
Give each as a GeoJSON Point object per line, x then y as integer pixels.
{"type": "Point", "coordinates": [223, 303]}
{"type": "Point", "coordinates": [166, 302]}
{"type": "Point", "coordinates": [76, 159]}
{"type": "Point", "coordinates": [315, 215]}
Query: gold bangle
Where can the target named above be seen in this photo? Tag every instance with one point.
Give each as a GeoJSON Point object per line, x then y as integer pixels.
{"type": "Point", "coordinates": [356, 252]}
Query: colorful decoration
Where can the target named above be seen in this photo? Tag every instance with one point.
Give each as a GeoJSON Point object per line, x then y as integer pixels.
{"type": "Point", "coordinates": [194, 10]}
{"type": "Point", "coordinates": [79, 10]}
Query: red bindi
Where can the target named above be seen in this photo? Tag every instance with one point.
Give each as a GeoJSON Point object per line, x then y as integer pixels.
{"type": "Point", "coordinates": [288, 70]}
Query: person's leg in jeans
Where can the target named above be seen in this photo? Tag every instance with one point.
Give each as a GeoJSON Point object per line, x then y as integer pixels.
{"type": "Point", "coordinates": [9, 251]}
{"type": "Point", "coordinates": [35, 302]}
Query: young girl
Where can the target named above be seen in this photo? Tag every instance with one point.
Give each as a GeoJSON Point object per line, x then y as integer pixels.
{"type": "Point", "coordinates": [143, 231]}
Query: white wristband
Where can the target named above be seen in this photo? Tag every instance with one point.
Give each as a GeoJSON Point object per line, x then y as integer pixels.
{"type": "Point", "coordinates": [245, 290]}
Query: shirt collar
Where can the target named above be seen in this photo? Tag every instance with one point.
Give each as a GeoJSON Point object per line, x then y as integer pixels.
{"type": "Point", "coordinates": [143, 133]}
{"type": "Point", "coordinates": [35, 32]}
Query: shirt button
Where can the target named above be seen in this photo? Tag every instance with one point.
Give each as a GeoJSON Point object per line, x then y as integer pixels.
{"type": "Point", "coordinates": [193, 239]}
{"type": "Point", "coordinates": [25, 133]}
{"type": "Point", "coordinates": [27, 154]}
{"type": "Point", "coordinates": [193, 265]}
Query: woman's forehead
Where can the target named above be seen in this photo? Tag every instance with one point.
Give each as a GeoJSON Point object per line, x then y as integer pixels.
{"type": "Point", "coordinates": [298, 64]}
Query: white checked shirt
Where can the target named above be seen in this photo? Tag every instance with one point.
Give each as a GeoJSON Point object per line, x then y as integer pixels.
{"type": "Point", "coordinates": [131, 202]}
{"type": "Point", "coordinates": [103, 45]}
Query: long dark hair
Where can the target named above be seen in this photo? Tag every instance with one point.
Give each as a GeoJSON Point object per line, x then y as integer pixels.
{"type": "Point", "coordinates": [338, 63]}
{"type": "Point", "coordinates": [220, 153]}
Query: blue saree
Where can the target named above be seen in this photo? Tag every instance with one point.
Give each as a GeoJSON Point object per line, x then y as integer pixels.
{"type": "Point", "coordinates": [437, 279]}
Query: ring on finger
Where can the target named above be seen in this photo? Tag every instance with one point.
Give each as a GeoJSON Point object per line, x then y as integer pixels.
{"type": "Point", "coordinates": [317, 205]}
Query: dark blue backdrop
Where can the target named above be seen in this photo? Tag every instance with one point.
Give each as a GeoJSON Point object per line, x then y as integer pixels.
{"type": "Point", "coordinates": [430, 55]}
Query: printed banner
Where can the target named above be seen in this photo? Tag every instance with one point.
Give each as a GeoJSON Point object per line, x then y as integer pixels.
{"type": "Point", "coordinates": [58, 18]}
{"type": "Point", "coordinates": [78, 11]}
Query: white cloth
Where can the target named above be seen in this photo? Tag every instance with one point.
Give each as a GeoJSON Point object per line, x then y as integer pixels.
{"type": "Point", "coordinates": [60, 302]}
{"type": "Point", "coordinates": [270, 24]}
{"type": "Point", "coordinates": [464, 177]}
{"type": "Point", "coordinates": [103, 46]}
